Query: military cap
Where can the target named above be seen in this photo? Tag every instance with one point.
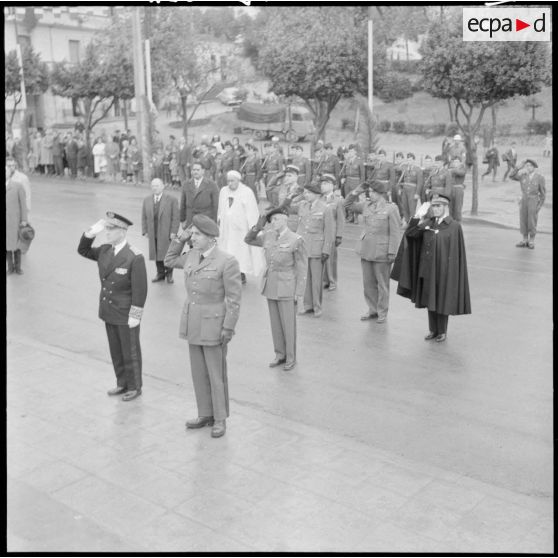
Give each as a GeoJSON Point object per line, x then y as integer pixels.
{"type": "Point", "coordinates": [439, 199]}
{"type": "Point", "coordinates": [352, 146]}
{"type": "Point", "coordinates": [115, 220]}
{"type": "Point", "coordinates": [205, 225]}
{"type": "Point", "coordinates": [457, 137]}
{"type": "Point", "coordinates": [274, 211]}
{"type": "Point", "coordinates": [296, 146]}
{"type": "Point", "coordinates": [377, 186]}
{"type": "Point", "coordinates": [532, 162]}
{"type": "Point", "coordinates": [313, 187]}
{"type": "Point", "coordinates": [326, 177]}
{"type": "Point", "coordinates": [411, 155]}
{"type": "Point", "coordinates": [292, 168]}
{"type": "Point", "coordinates": [400, 154]}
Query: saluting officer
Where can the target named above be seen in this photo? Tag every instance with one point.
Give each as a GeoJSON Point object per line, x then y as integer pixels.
{"type": "Point", "coordinates": [251, 169]}
{"type": "Point", "coordinates": [317, 227]}
{"type": "Point", "coordinates": [335, 202]}
{"type": "Point", "coordinates": [411, 185]}
{"type": "Point", "coordinates": [209, 316]}
{"type": "Point", "coordinates": [352, 174]}
{"type": "Point", "coordinates": [533, 194]}
{"type": "Point", "coordinates": [377, 246]}
{"type": "Point", "coordinates": [457, 170]}
{"type": "Point", "coordinates": [283, 281]}
{"type": "Point", "coordinates": [123, 293]}
{"type": "Point", "coordinates": [303, 165]}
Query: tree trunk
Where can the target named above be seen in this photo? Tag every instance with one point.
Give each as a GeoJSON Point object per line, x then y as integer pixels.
{"type": "Point", "coordinates": [125, 113]}
{"type": "Point", "coordinates": [475, 178]}
{"type": "Point", "coordinates": [183, 99]}
{"type": "Point", "coordinates": [452, 117]}
{"type": "Point", "coordinates": [493, 114]}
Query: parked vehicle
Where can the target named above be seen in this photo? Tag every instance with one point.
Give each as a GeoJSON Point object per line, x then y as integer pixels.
{"type": "Point", "coordinates": [230, 96]}
{"type": "Point", "coordinates": [263, 120]}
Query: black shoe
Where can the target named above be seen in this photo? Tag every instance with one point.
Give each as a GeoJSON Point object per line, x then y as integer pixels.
{"type": "Point", "coordinates": [289, 365]}
{"type": "Point", "coordinates": [243, 279]}
{"type": "Point", "coordinates": [218, 429]}
{"type": "Point", "coordinates": [441, 337]}
{"type": "Point", "coordinates": [368, 316]}
{"type": "Point", "coordinates": [430, 336]}
{"type": "Point", "coordinates": [277, 362]}
{"type": "Point", "coordinates": [132, 394]}
{"type": "Point", "coordinates": [158, 278]}
{"type": "Point", "coordinates": [200, 422]}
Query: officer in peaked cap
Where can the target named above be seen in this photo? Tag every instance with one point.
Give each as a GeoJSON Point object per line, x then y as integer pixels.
{"type": "Point", "coordinates": [123, 293]}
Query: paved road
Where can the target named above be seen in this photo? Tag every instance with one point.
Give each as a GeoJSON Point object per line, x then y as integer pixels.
{"type": "Point", "coordinates": [478, 406]}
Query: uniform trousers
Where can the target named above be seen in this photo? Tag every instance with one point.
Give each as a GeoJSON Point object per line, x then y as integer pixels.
{"type": "Point", "coordinates": [375, 278]}
{"type": "Point", "coordinates": [528, 216]}
{"type": "Point", "coordinates": [456, 202]}
{"type": "Point", "coordinates": [408, 202]}
{"type": "Point", "coordinates": [330, 269]}
{"type": "Point", "coordinates": [250, 181]}
{"type": "Point", "coordinates": [125, 352]}
{"type": "Point", "coordinates": [437, 323]}
{"type": "Point", "coordinates": [272, 189]}
{"type": "Point", "coordinates": [209, 374]}
{"type": "Point", "coordinates": [283, 328]}
{"type": "Point", "coordinates": [314, 285]}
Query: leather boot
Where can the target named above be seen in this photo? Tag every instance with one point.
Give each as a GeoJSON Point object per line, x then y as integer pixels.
{"type": "Point", "coordinates": [10, 262]}
{"type": "Point", "coordinates": [17, 262]}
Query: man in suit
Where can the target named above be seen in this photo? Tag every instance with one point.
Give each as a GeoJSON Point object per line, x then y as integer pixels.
{"type": "Point", "coordinates": [510, 157]}
{"type": "Point", "coordinates": [335, 202]}
{"type": "Point", "coordinates": [283, 281]}
{"type": "Point", "coordinates": [316, 225]}
{"type": "Point", "coordinates": [209, 317]}
{"type": "Point", "coordinates": [122, 298]}
{"type": "Point", "coordinates": [533, 194]}
{"type": "Point", "coordinates": [377, 247]}
{"type": "Point", "coordinates": [159, 221]}
{"type": "Point", "coordinates": [199, 195]}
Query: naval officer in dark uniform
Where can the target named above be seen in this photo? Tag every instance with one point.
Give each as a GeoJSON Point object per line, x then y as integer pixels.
{"type": "Point", "coordinates": [123, 293]}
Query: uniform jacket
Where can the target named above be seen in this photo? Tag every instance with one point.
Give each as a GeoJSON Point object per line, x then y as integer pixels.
{"type": "Point", "coordinates": [381, 230]}
{"type": "Point", "coordinates": [510, 157]}
{"type": "Point", "coordinates": [123, 280]}
{"type": "Point", "coordinates": [284, 277]}
{"type": "Point", "coordinates": [440, 181]}
{"type": "Point", "coordinates": [16, 212]}
{"type": "Point", "coordinates": [338, 212]}
{"type": "Point", "coordinates": [204, 199]}
{"type": "Point", "coordinates": [458, 174]}
{"type": "Point", "coordinates": [168, 219]}
{"type": "Point", "coordinates": [533, 186]}
{"type": "Point", "coordinates": [274, 165]}
{"type": "Point", "coordinates": [213, 292]}
{"type": "Point", "coordinates": [431, 267]}
{"type": "Point", "coordinates": [251, 168]}
{"type": "Point", "coordinates": [412, 176]}
{"type": "Point", "coordinates": [384, 172]}
{"type": "Point", "coordinates": [316, 225]}
{"type": "Point", "coordinates": [353, 169]}
{"type": "Point", "coordinates": [332, 166]}
{"type": "Point", "coordinates": [305, 174]}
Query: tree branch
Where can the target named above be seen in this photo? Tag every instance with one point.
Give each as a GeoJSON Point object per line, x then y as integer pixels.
{"type": "Point", "coordinates": [104, 113]}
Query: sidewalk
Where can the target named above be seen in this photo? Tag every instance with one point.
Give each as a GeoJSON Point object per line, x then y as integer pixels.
{"type": "Point", "coordinates": [90, 473]}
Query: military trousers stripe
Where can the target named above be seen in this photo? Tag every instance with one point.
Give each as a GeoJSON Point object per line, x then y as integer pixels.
{"type": "Point", "coordinates": [208, 365]}
{"type": "Point", "coordinates": [125, 352]}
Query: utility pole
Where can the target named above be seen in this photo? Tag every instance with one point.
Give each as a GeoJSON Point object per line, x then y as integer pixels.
{"type": "Point", "coordinates": [370, 64]}
{"type": "Point", "coordinates": [141, 103]}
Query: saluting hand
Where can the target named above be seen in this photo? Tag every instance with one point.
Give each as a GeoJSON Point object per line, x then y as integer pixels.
{"type": "Point", "coordinates": [96, 228]}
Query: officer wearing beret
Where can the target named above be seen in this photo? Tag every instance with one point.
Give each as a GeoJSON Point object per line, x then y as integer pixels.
{"type": "Point", "coordinates": [317, 227]}
{"type": "Point", "coordinates": [123, 293]}
{"type": "Point", "coordinates": [283, 280]}
{"type": "Point", "coordinates": [533, 194]}
{"type": "Point", "coordinates": [335, 202]}
{"type": "Point", "coordinates": [376, 247]}
{"type": "Point", "coordinates": [209, 316]}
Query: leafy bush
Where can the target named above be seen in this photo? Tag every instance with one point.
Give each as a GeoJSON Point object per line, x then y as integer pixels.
{"type": "Point", "coordinates": [407, 66]}
{"type": "Point", "coordinates": [438, 129]}
{"type": "Point", "coordinates": [538, 127]}
{"type": "Point", "coordinates": [384, 125]}
{"type": "Point", "coordinates": [451, 129]}
{"type": "Point", "coordinates": [347, 123]}
{"type": "Point", "coordinates": [395, 88]}
{"type": "Point", "coordinates": [399, 126]}
{"type": "Point", "coordinates": [503, 129]}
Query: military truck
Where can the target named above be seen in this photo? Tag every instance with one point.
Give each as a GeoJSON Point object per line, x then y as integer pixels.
{"type": "Point", "coordinates": [262, 120]}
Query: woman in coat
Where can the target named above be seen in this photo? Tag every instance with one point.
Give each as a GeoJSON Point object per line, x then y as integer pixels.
{"type": "Point", "coordinates": [16, 215]}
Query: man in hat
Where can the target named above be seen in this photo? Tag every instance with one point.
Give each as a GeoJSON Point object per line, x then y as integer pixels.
{"type": "Point", "coordinates": [327, 186]}
{"type": "Point", "coordinates": [431, 266]}
{"type": "Point", "coordinates": [159, 221]}
{"type": "Point", "coordinates": [123, 293]}
{"type": "Point", "coordinates": [290, 186]}
{"type": "Point", "coordinates": [533, 194]}
{"type": "Point", "coordinates": [283, 281]}
{"type": "Point", "coordinates": [210, 313]}
{"type": "Point", "coordinates": [457, 170]}
{"type": "Point", "coordinates": [456, 149]}
{"type": "Point", "coordinates": [274, 166]}
{"type": "Point", "coordinates": [377, 246]}
{"type": "Point", "coordinates": [302, 164]}
{"type": "Point", "coordinates": [317, 228]}
{"type": "Point", "coordinates": [237, 213]}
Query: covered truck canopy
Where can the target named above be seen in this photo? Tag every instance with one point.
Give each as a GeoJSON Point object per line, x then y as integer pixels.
{"type": "Point", "coordinates": [261, 113]}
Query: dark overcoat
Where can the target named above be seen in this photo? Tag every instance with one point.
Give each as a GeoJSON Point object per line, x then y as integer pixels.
{"type": "Point", "coordinates": [204, 200]}
{"type": "Point", "coordinates": [167, 224]}
{"type": "Point", "coordinates": [16, 212]}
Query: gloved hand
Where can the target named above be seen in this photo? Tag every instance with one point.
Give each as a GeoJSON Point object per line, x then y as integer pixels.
{"type": "Point", "coordinates": [422, 210]}
{"type": "Point", "coordinates": [95, 229]}
{"type": "Point", "coordinates": [325, 257]}
{"type": "Point", "coordinates": [226, 335]}
{"type": "Point", "coordinates": [133, 322]}
{"type": "Point", "coordinates": [338, 240]}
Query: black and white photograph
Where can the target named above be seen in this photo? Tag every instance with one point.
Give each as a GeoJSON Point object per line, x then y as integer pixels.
{"type": "Point", "coordinates": [235, 235]}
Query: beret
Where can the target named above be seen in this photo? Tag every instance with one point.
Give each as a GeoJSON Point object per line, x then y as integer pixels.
{"type": "Point", "coordinates": [274, 211]}
{"type": "Point", "coordinates": [206, 225]}
{"type": "Point", "coordinates": [313, 187]}
{"type": "Point", "coordinates": [532, 162]}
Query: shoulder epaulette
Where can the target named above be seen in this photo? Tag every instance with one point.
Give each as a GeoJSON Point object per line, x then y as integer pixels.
{"type": "Point", "coordinates": [135, 250]}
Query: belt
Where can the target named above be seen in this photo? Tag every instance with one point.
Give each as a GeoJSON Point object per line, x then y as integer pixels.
{"type": "Point", "coordinates": [409, 184]}
{"type": "Point", "coordinates": [250, 173]}
{"type": "Point", "coordinates": [458, 186]}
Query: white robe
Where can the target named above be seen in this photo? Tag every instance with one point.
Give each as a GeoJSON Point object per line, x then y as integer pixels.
{"type": "Point", "coordinates": [234, 223]}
